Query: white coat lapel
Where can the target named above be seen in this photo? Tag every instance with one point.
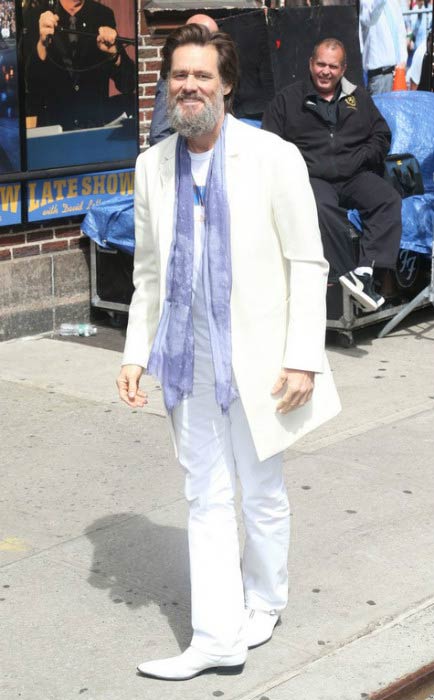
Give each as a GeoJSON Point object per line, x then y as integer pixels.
{"type": "Point", "coordinates": [234, 178]}
{"type": "Point", "coordinates": [165, 215]}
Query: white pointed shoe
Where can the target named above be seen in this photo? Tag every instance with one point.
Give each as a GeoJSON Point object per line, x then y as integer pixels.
{"type": "Point", "coordinates": [260, 626]}
{"type": "Point", "coordinates": [190, 664]}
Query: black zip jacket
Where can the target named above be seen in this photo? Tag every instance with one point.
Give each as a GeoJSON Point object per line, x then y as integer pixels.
{"type": "Point", "coordinates": [358, 142]}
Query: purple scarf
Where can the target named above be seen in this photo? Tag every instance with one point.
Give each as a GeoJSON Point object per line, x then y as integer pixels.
{"type": "Point", "coordinates": [172, 354]}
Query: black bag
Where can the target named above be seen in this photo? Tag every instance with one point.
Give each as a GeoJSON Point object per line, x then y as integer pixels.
{"type": "Point", "coordinates": [402, 171]}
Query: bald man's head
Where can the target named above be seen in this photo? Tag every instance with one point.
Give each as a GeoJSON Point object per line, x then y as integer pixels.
{"type": "Point", "coordinates": [205, 21]}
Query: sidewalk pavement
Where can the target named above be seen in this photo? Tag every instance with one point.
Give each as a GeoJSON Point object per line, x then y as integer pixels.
{"type": "Point", "coordinates": [93, 552]}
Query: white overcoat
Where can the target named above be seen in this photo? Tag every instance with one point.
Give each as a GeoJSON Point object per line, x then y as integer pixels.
{"type": "Point", "coordinates": [279, 276]}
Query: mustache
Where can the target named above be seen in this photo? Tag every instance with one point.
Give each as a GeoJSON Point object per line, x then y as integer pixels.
{"type": "Point", "coordinates": [189, 96]}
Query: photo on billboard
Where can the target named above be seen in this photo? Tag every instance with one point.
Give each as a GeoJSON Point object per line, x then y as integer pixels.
{"type": "Point", "coordinates": [10, 158]}
{"type": "Point", "coordinates": [80, 78]}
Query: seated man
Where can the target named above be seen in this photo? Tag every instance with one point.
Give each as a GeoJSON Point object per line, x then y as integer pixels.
{"type": "Point", "coordinates": [344, 140]}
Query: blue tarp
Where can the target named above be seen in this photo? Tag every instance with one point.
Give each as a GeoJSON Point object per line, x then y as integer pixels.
{"type": "Point", "coordinates": [410, 118]}
{"type": "Point", "coordinates": [418, 223]}
{"type": "Point", "coordinates": [111, 225]}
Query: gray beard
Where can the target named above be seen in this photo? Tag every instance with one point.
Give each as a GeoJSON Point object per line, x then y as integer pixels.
{"type": "Point", "coordinates": [193, 125]}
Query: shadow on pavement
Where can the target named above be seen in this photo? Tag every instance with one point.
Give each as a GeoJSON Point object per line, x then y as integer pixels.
{"type": "Point", "coordinates": [142, 563]}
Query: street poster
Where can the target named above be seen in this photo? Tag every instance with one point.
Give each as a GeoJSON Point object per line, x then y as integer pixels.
{"type": "Point", "coordinates": [79, 62]}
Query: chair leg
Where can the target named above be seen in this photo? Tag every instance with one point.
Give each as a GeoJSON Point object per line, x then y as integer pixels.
{"type": "Point", "coordinates": [411, 306]}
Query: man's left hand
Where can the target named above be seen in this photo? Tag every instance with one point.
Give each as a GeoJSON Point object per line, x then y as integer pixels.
{"type": "Point", "coordinates": [298, 386]}
{"type": "Point", "coordinates": [106, 39]}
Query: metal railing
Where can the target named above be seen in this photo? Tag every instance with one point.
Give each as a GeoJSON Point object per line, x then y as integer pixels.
{"type": "Point", "coordinates": [410, 20]}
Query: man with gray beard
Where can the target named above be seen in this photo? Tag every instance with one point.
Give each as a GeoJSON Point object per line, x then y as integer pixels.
{"type": "Point", "coordinates": [160, 127]}
{"type": "Point", "coordinates": [229, 314]}
{"type": "Point", "coordinates": [192, 124]}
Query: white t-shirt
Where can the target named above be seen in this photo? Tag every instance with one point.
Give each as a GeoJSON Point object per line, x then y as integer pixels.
{"type": "Point", "coordinates": [199, 170]}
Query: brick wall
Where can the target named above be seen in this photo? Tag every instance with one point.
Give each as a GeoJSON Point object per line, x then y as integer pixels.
{"type": "Point", "coordinates": [22, 242]}
{"type": "Point", "coordinates": [149, 61]}
{"type": "Point", "coordinates": [44, 278]}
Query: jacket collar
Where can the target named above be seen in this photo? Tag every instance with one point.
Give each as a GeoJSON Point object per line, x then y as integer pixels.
{"type": "Point", "coordinates": [167, 158]}
{"type": "Point", "coordinates": [233, 136]}
{"type": "Point", "coordinates": [347, 88]}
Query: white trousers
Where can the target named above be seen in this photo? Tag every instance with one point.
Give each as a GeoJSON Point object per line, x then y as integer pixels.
{"type": "Point", "coordinates": [214, 449]}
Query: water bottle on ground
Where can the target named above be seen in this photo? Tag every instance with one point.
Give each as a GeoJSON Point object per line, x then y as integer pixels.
{"type": "Point", "coordinates": [77, 329]}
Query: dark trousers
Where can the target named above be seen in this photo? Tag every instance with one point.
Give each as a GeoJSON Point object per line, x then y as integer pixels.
{"type": "Point", "coordinates": [379, 206]}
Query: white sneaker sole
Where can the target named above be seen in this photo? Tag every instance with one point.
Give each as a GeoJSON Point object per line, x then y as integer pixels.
{"type": "Point", "coordinates": [364, 300]}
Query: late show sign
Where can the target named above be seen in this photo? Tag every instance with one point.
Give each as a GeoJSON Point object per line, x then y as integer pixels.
{"type": "Point", "coordinates": [57, 197]}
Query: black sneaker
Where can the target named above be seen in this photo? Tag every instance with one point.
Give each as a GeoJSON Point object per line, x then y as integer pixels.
{"type": "Point", "coordinates": [361, 287]}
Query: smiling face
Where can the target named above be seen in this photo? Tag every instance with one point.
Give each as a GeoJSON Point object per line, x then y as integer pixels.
{"type": "Point", "coordinates": [327, 67]}
{"type": "Point", "coordinates": [195, 91]}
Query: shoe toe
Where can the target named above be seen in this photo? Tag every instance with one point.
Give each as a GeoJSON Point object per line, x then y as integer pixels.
{"type": "Point", "coordinates": [162, 668]}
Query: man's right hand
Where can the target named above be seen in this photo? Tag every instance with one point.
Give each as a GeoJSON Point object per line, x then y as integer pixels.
{"type": "Point", "coordinates": [47, 26]}
{"type": "Point", "coordinates": [128, 386]}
